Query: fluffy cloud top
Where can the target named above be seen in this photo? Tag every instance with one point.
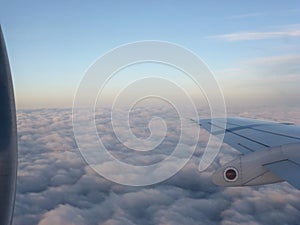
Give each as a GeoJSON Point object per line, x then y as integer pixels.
{"type": "Point", "coordinates": [55, 186]}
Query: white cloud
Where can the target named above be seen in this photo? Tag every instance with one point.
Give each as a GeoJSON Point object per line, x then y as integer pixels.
{"type": "Point", "coordinates": [285, 32]}
{"type": "Point", "coordinates": [56, 187]}
{"type": "Point", "coordinates": [248, 15]}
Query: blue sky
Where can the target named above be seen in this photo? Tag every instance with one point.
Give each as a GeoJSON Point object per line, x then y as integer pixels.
{"type": "Point", "coordinates": [253, 47]}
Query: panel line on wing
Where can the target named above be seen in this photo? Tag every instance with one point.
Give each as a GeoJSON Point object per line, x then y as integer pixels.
{"type": "Point", "coordinates": [278, 161]}
{"type": "Point", "coordinates": [240, 144]}
{"type": "Point", "coordinates": [259, 175]}
{"type": "Point", "coordinates": [249, 139]}
{"type": "Point", "coordinates": [264, 131]}
{"type": "Point", "coordinates": [281, 135]}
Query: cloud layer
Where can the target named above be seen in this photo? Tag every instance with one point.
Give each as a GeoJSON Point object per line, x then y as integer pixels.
{"type": "Point", "coordinates": [55, 186]}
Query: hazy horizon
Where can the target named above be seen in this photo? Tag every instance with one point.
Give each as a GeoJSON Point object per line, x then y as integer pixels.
{"type": "Point", "coordinates": [252, 48]}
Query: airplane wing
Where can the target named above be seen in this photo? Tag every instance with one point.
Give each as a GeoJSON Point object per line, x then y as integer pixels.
{"type": "Point", "coordinates": [250, 136]}
{"type": "Point", "coordinates": [286, 169]}
{"type": "Point", "coordinates": [8, 139]}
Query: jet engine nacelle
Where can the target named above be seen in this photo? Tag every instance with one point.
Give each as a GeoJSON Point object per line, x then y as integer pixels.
{"type": "Point", "coordinates": [248, 170]}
